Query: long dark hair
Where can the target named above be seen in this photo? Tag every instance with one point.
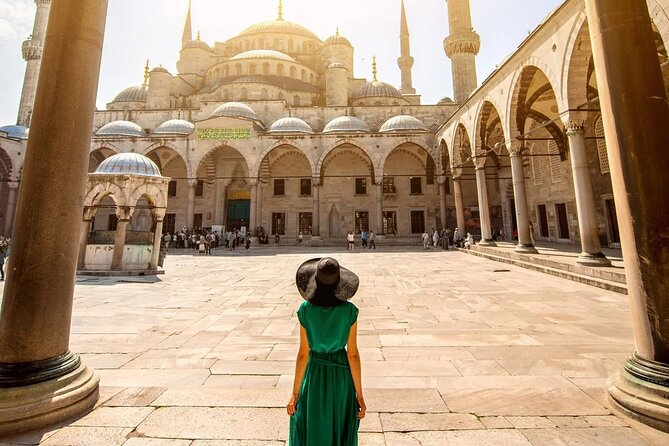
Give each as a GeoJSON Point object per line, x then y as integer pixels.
{"type": "Point", "coordinates": [325, 295]}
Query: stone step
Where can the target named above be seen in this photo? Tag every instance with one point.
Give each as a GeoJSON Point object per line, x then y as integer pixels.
{"type": "Point", "coordinates": [528, 263]}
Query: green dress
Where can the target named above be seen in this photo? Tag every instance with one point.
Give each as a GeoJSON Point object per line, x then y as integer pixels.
{"type": "Point", "coordinates": [327, 410]}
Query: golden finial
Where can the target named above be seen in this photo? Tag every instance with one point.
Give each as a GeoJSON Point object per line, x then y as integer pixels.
{"type": "Point", "coordinates": [198, 36]}
{"type": "Point", "coordinates": [280, 10]}
{"type": "Point", "coordinates": [374, 67]}
{"type": "Point", "coordinates": [337, 33]}
{"type": "Point", "coordinates": [146, 73]}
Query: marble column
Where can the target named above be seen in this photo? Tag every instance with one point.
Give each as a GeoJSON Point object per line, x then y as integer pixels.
{"type": "Point", "coordinates": [484, 207]}
{"type": "Point", "coordinates": [159, 215]}
{"type": "Point", "coordinates": [443, 211]}
{"type": "Point", "coordinates": [190, 217]}
{"type": "Point", "coordinates": [253, 207]}
{"type": "Point", "coordinates": [37, 306]}
{"type": "Point", "coordinates": [379, 207]}
{"type": "Point", "coordinates": [525, 245]}
{"type": "Point", "coordinates": [459, 205]}
{"type": "Point", "coordinates": [89, 214]}
{"type": "Point", "coordinates": [635, 115]}
{"type": "Point", "coordinates": [316, 212]}
{"type": "Point", "coordinates": [591, 249]}
{"type": "Point", "coordinates": [11, 207]}
{"type": "Point", "coordinates": [119, 242]}
{"type": "Point", "coordinates": [259, 221]}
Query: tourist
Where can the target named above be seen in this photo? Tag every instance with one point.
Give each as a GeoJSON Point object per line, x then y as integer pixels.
{"type": "Point", "coordinates": [363, 238]}
{"type": "Point", "coordinates": [372, 242]}
{"type": "Point", "coordinates": [469, 241]}
{"type": "Point", "coordinates": [277, 239]}
{"type": "Point", "coordinates": [444, 238]}
{"type": "Point", "coordinates": [456, 238]}
{"type": "Point", "coordinates": [435, 237]}
{"type": "Point", "coordinates": [426, 240]}
{"type": "Point", "coordinates": [300, 238]}
{"type": "Point", "coordinates": [327, 403]}
{"type": "Point", "coordinates": [350, 238]}
{"type": "Point", "coordinates": [202, 245]}
{"type": "Point", "coordinates": [166, 240]}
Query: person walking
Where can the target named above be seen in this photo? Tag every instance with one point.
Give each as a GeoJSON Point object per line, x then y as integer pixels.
{"type": "Point", "coordinates": [363, 238]}
{"type": "Point", "coordinates": [327, 402]}
{"type": "Point", "coordinates": [435, 238]}
{"type": "Point", "coordinates": [372, 240]}
{"type": "Point", "coordinates": [426, 240]}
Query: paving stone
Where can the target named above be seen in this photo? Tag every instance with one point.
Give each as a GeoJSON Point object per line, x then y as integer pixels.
{"type": "Point", "coordinates": [222, 397]}
{"type": "Point", "coordinates": [136, 396]}
{"type": "Point", "coordinates": [407, 422]}
{"type": "Point", "coordinates": [404, 400]}
{"type": "Point", "coordinates": [114, 417]}
{"type": "Point", "coordinates": [531, 422]}
{"type": "Point", "coordinates": [604, 421]}
{"type": "Point", "coordinates": [371, 439]}
{"type": "Point", "coordinates": [88, 436]}
{"type": "Point", "coordinates": [496, 423]}
{"type": "Point", "coordinates": [594, 436]}
{"type": "Point", "coordinates": [137, 441]}
{"type": "Point", "coordinates": [570, 421]}
{"type": "Point", "coordinates": [491, 437]}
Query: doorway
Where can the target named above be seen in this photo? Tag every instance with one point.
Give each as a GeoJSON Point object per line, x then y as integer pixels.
{"type": "Point", "coordinates": [239, 212]}
{"type": "Point", "coordinates": [562, 221]}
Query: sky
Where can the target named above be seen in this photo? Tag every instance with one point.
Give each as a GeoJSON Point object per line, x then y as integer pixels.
{"type": "Point", "coordinates": [138, 30]}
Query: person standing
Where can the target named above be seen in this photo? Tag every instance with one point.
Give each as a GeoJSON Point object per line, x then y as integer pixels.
{"type": "Point", "coordinates": [456, 238]}
{"type": "Point", "coordinates": [435, 238]}
{"type": "Point", "coordinates": [426, 240]}
{"type": "Point", "coordinates": [351, 241]}
{"type": "Point", "coordinates": [372, 241]}
{"type": "Point", "coordinates": [327, 402]}
{"type": "Point", "coordinates": [363, 238]}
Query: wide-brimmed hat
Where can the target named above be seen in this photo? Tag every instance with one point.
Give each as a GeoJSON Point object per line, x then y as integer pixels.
{"type": "Point", "coordinates": [326, 271]}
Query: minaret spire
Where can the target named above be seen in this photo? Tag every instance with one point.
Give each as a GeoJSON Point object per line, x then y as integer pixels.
{"type": "Point", "coordinates": [405, 61]}
{"type": "Point", "coordinates": [146, 73]}
{"type": "Point", "coordinates": [374, 72]}
{"type": "Point", "coordinates": [461, 47]}
{"type": "Point", "coordinates": [188, 28]}
{"type": "Point", "coordinates": [280, 16]}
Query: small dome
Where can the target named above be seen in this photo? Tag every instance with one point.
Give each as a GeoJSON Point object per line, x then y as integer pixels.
{"type": "Point", "coordinates": [263, 54]}
{"type": "Point", "coordinates": [445, 100]}
{"type": "Point", "coordinates": [128, 164]}
{"type": "Point", "coordinates": [290, 125]}
{"type": "Point", "coordinates": [197, 44]}
{"type": "Point", "coordinates": [15, 131]}
{"type": "Point", "coordinates": [346, 124]}
{"type": "Point", "coordinates": [337, 65]}
{"type": "Point", "coordinates": [121, 128]}
{"type": "Point", "coordinates": [132, 94]}
{"type": "Point", "coordinates": [235, 110]}
{"type": "Point", "coordinates": [374, 89]}
{"type": "Point", "coordinates": [403, 123]}
{"type": "Point", "coordinates": [278, 27]}
{"type": "Point", "coordinates": [160, 70]}
{"type": "Point", "coordinates": [175, 127]}
{"type": "Point", "coordinates": [338, 40]}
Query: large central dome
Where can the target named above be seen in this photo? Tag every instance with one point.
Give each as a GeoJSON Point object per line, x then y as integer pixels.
{"type": "Point", "coordinates": [278, 27]}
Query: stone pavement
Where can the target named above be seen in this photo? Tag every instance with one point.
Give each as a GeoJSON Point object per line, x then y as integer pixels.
{"type": "Point", "coordinates": [457, 350]}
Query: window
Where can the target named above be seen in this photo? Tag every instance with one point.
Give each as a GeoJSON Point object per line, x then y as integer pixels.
{"type": "Point", "coordinates": [417, 222]}
{"type": "Point", "coordinates": [361, 186]}
{"type": "Point", "coordinates": [556, 172]}
{"type": "Point", "coordinates": [279, 187]}
{"type": "Point", "coordinates": [170, 223]}
{"type": "Point", "coordinates": [429, 170]}
{"type": "Point", "coordinates": [197, 222]}
{"type": "Point", "coordinates": [112, 222]}
{"type": "Point", "coordinates": [361, 221]}
{"type": "Point", "coordinates": [416, 186]}
{"type": "Point", "coordinates": [535, 153]}
{"type": "Point", "coordinates": [601, 147]}
{"type": "Point", "coordinates": [296, 101]}
{"type": "Point", "coordinates": [563, 222]}
{"type": "Point", "coordinates": [172, 189]}
{"type": "Point", "coordinates": [304, 222]}
{"type": "Point", "coordinates": [279, 223]}
{"type": "Point", "coordinates": [199, 188]}
{"type": "Point", "coordinates": [305, 187]}
{"type": "Point", "coordinates": [543, 221]}
{"type": "Point", "coordinates": [389, 185]}
{"type": "Point", "coordinates": [447, 186]}
{"type": "Point", "coordinates": [389, 222]}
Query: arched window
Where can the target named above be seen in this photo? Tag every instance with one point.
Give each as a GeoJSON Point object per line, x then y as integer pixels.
{"type": "Point", "coordinates": [279, 69]}
{"type": "Point", "coordinates": [312, 78]}
{"type": "Point", "coordinates": [276, 44]}
{"type": "Point", "coordinates": [303, 75]}
{"type": "Point", "coordinates": [601, 147]}
{"type": "Point", "coordinates": [265, 69]}
{"type": "Point", "coordinates": [226, 71]}
{"type": "Point", "coordinates": [252, 69]}
{"type": "Point", "coordinates": [293, 72]}
{"type": "Point", "coordinates": [296, 101]}
{"type": "Point", "coordinates": [536, 165]}
{"type": "Point", "coordinates": [291, 45]}
{"type": "Point", "coordinates": [238, 69]}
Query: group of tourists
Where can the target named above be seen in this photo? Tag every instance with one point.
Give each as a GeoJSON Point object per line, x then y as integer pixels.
{"type": "Point", "coordinates": [207, 242]}
{"type": "Point", "coordinates": [446, 238]}
{"type": "Point", "coordinates": [367, 238]}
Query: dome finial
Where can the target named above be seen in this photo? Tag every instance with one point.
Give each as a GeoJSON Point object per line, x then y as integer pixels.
{"type": "Point", "coordinates": [280, 17]}
{"type": "Point", "coordinates": [337, 33]}
{"type": "Point", "coordinates": [146, 73]}
{"type": "Point", "coordinates": [374, 67]}
{"type": "Point", "coordinates": [198, 36]}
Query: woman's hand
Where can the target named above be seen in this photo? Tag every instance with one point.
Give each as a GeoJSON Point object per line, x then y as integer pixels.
{"type": "Point", "coordinates": [362, 408]}
{"type": "Point", "coordinates": [291, 407]}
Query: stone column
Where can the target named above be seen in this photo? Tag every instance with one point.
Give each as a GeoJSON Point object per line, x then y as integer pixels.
{"type": "Point", "coordinates": [253, 208]}
{"type": "Point", "coordinates": [89, 214]}
{"type": "Point", "coordinates": [525, 244]}
{"type": "Point", "coordinates": [442, 200]}
{"type": "Point", "coordinates": [119, 239]}
{"type": "Point", "coordinates": [37, 305]}
{"type": "Point", "coordinates": [11, 207]}
{"type": "Point", "coordinates": [217, 201]}
{"type": "Point", "coordinates": [459, 205]}
{"type": "Point", "coordinates": [190, 217]}
{"type": "Point", "coordinates": [159, 215]}
{"type": "Point", "coordinates": [316, 212]}
{"type": "Point", "coordinates": [484, 207]}
{"type": "Point", "coordinates": [635, 114]}
{"type": "Point", "coordinates": [379, 207]}
{"type": "Point", "coordinates": [259, 207]}
{"type": "Point", "coordinates": [591, 249]}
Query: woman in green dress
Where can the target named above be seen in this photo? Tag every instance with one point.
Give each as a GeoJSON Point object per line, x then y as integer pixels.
{"type": "Point", "coordinates": [327, 403]}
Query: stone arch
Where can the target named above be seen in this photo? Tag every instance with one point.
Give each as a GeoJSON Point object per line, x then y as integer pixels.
{"type": "Point", "coordinates": [444, 156]}
{"type": "Point", "coordinates": [97, 156]}
{"type": "Point", "coordinates": [151, 193]}
{"type": "Point", "coordinates": [6, 164]}
{"type": "Point", "coordinates": [107, 189]}
{"type": "Point", "coordinates": [255, 172]}
{"type": "Point", "coordinates": [576, 64]}
{"type": "Point", "coordinates": [210, 167]}
{"type": "Point", "coordinates": [347, 144]}
{"type": "Point", "coordinates": [462, 147]}
{"type": "Point", "coordinates": [400, 146]}
{"type": "Point", "coordinates": [489, 126]}
{"type": "Point", "coordinates": [153, 152]}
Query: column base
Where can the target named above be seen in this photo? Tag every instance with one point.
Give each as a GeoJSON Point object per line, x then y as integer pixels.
{"type": "Point", "coordinates": [641, 391]}
{"type": "Point", "coordinates": [484, 242]}
{"type": "Point", "coordinates": [27, 408]}
{"type": "Point", "coordinates": [587, 259]}
{"type": "Point", "coordinates": [526, 249]}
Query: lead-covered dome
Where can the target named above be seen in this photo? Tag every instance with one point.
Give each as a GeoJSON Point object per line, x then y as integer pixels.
{"type": "Point", "coordinates": [175, 127]}
{"type": "Point", "coordinates": [133, 94]}
{"type": "Point", "coordinates": [128, 164]}
{"type": "Point", "coordinates": [403, 123]}
{"type": "Point", "coordinates": [263, 54]}
{"type": "Point", "coordinates": [278, 27]}
{"type": "Point", "coordinates": [121, 128]}
{"type": "Point", "coordinates": [15, 132]}
{"type": "Point", "coordinates": [346, 124]}
{"type": "Point", "coordinates": [235, 110]}
{"type": "Point", "coordinates": [290, 125]}
{"type": "Point", "coordinates": [338, 40]}
{"type": "Point", "coordinates": [375, 89]}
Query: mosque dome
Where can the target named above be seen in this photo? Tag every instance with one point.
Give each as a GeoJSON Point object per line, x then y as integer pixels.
{"type": "Point", "coordinates": [160, 70]}
{"type": "Point", "coordinates": [128, 164]}
{"type": "Point", "coordinates": [278, 27]}
{"type": "Point", "coordinates": [197, 44]}
{"type": "Point", "coordinates": [263, 54]}
{"type": "Point", "coordinates": [235, 110]}
{"type": "Point", "coordinates": [403, 123]}
{"type": "Point", "coordinates": [338, 40]}
{"type": "Point", "coordinates": [121, 128]}
{"type": "Point", "coordinates": [445, 101]}
{"type": "Point", "coordinates": [15, 131]}
{"type": "Point", "coordinates": [133, 94]}
{"type": "Point", "coordinates": [375, 89]}
{"type": "Point", "coordinates": [346, 124]}
{"type": "Point", "coordinates": [175, 127]}
{"type": "Point", "coordinates": [290, 125]}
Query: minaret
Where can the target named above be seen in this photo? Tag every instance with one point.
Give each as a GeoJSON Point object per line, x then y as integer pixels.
{"type": "Point", "coordinates": [461, 47]}
{"type": "Point", "coordinates": [32, 54]}
{"type": "Point", "coordinates": [188, 29]}
{"type": "Point", "coordinates": [405, 61]}
{"type": "Point", "coordinates": [280, 15]}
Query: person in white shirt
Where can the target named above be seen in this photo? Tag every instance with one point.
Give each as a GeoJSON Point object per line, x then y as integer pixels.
{"type": "Point", "coordinates": [351, 241]}
{"type": "Point", "coordinates": [426, 240]}
{"type": "Point", "coordinates": [435, 237]}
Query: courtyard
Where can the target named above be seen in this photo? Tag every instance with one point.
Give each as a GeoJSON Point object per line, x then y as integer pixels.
{"type": "Point", "coordinates": [457, 350]}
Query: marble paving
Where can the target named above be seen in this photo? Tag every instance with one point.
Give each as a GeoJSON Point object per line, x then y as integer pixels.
{"type": "Point", "coordinates": [457, 350]}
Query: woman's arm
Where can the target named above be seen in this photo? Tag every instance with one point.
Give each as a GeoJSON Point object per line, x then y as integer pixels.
{"type": "Point", "coordinates": [356, 368]}
{"type": "Point", "coordinates": [300, 368]}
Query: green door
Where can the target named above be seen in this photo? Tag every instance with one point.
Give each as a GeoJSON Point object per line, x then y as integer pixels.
{"type": "Point", "coordinates": [239, 212]}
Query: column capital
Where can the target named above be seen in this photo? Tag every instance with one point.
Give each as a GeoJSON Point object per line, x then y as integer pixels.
{"type": "Point", "coordinates": [479, 161]}
{"type": "Point", "coordinates": [159, 213]}
{"type": "Point", "coordinates": [253, 182]}
{"type": "Point", "coordinates": [516, 148]}
{"type": "Point", "coordinates": [124, 213]}
{"type": "Point", "coordinates": [575, 122]}
{"type": "Point", "coordinates": [13, 184]}
{"type": "Point", "coordinates": [457, 173]}
{"type": "Point", "coordinates": [90, 212]}
{"type": "Point", "coordinates": [316, 181]}
{"type": "Point", "coordinates": [192, 182]}
{"type": "Point", "coordinates": [442, 179]}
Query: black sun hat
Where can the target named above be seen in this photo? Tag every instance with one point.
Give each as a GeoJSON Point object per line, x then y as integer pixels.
{"type": "Point", "coordinates": [326, 271]}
